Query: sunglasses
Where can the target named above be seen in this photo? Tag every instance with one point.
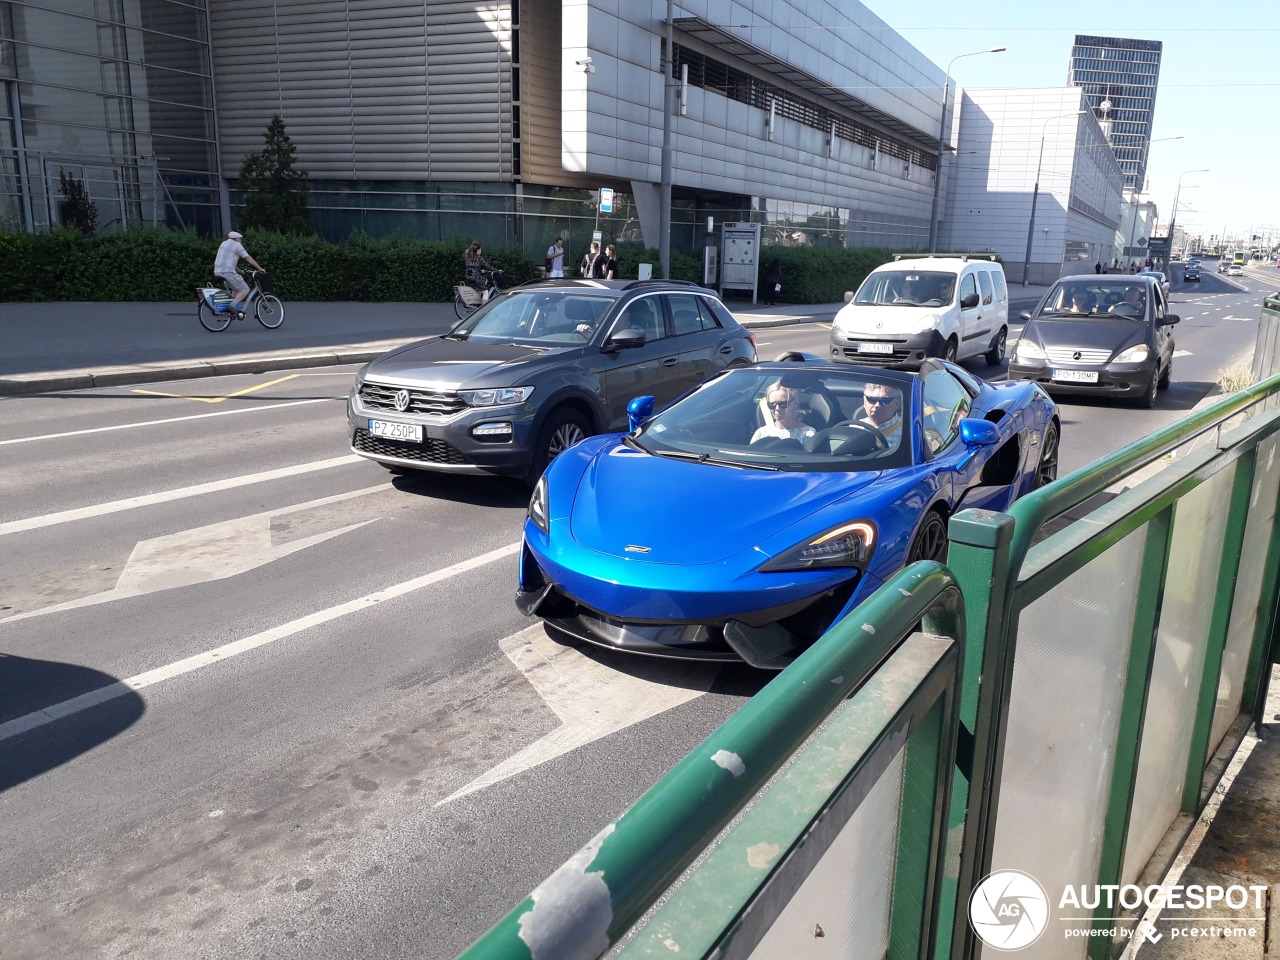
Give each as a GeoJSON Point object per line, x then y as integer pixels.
{"type": "Point", "coordinates": [779, 404]}
{"type": "Point", "coordinates": [879, 401]}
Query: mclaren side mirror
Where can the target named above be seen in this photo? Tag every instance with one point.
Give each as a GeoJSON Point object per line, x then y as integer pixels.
{"type": "Point", "coordinates": [639, 410]}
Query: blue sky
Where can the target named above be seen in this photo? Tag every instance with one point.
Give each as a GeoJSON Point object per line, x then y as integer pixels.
{"type": "Point", "coordinates": [1219, 87]}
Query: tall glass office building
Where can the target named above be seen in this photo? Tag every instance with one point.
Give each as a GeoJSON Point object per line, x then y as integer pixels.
{"type": "Point", "coordinates": [117, 94]}
{"type": "Point", "coordinates": [1120, 77]}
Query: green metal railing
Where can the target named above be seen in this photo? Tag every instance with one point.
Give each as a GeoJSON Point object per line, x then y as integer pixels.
{"type": "Point", "coordinates": [1076, 618]}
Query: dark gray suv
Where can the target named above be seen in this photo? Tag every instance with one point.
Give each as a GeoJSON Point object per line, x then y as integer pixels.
{"type": "Point", "coordinates": [536, 369]}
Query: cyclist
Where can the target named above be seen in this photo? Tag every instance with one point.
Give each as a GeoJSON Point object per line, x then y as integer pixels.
{"type": "Point", "coordinates": [230, 253]}
{"type": "Point", "coordinates": [477, 266]}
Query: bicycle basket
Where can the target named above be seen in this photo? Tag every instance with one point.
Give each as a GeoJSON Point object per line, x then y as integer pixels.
{"type": "Point", "coordinates": [469, 295]}
{"type": "Point", "coordinates": [265, 283]}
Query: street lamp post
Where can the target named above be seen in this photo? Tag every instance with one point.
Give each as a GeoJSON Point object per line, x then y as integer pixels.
{"type": "Point", "coordinates": [942, 133]}
{"type": "Point", "coordinates": [1173, 214]}
{"type": "Point", "coordinates": [1035, 193]}
{"type": "Point", "coordinates": [664, 189]}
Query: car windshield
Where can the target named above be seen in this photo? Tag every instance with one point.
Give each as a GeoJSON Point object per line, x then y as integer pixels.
{"type": "Point", "coordinates": [807, 421]}
{"type": "Point", "coordinates": [536, 317]}
{"type": "Point", "coordinates": [908, 288]}
{"type": "Point", "coordinates": [1097, 299]}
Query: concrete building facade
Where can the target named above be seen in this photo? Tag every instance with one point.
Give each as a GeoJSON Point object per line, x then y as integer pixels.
{"type": "Point", "coordinates": [1019, 146]}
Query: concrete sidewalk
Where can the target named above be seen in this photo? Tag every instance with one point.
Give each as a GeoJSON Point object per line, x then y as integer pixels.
{"type": "Point", "coordinates": [70, 346]}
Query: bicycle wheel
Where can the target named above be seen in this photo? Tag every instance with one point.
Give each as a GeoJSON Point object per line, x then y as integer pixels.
{"type": "Point", "coordinates": [460, 307]}
{"type": "Point", "coordinates": [270, 311]}
{"type": "Point", "coordinates": [211, 319]}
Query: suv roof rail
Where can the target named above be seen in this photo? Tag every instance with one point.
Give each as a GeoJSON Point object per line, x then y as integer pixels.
{"type": "Point", "coordinates": [631, 285]}
{"type": "Point", "coordinates": [993, 257]}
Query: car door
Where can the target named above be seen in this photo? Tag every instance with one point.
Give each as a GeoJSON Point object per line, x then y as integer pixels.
{"type": "Point", "coordinates": [972, 319]}
{"type": "Point", "coordinates": [652, 369]}
{"type": "Point", "coordinates": [1163, 332]}
{"type": "Point", "coordinates": [699, 338]}
{"type": "Point", "coordinates": [945, 402]}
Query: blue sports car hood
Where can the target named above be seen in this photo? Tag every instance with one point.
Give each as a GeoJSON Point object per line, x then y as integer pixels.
{"type": "Point", "coordinates": [640, 507]}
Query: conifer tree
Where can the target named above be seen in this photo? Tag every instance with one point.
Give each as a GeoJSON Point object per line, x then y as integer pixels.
{"type": "Point", "coordinates": [77, 208]}
{"type": "Point", "coordinates": [274, 190]}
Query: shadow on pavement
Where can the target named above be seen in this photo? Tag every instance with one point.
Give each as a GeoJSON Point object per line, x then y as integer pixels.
{"type": "Point", "coordinates": [28, 686]}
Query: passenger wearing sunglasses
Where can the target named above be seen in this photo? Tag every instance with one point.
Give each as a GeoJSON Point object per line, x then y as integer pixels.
{"type": "Point", "coordinates": [883, 406]}
{"type": "Point", "coordinates": [784, 416]}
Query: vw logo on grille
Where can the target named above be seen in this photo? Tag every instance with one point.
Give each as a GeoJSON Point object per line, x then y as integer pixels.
{"type": "Point", "coordinates": [402, 399]}
{"type": "Point", "coordinates": [1074, 356]}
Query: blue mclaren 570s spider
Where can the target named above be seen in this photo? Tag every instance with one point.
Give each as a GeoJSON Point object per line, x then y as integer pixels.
{"type": "Point", "coordinates": [744, 519]}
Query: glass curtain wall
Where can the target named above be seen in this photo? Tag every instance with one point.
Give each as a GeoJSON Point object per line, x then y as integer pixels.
{"type": "Point", "coordinates": [117, 94]}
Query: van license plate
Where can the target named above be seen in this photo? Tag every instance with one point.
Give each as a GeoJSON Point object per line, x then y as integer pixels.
{"type": "Point", "coordinates": [396, 431]}
{"type": "Point", "coordinates": [865, 347]}
{"type": "Point", "coordinates": [1076, 376]}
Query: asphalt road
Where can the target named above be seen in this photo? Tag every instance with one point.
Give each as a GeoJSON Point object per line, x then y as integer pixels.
{"type": "Point", "coordinates": [326, 731]}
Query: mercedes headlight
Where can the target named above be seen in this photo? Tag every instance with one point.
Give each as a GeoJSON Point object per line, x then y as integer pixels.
{"type": "Point", "coordinates": [499, 397]}
{"type": "Point", "coordinates": [848, 545]}
{"type": "Point", "coordinates": [1028, 350]}
{"type": "Point", "coordinates": [539, 506]}
{"type": "Point", "coordinates": [1133, 354]}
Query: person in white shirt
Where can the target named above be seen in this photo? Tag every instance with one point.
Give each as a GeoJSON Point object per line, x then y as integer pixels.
{"type": "Point", "coordinates": [784, 413]}
{"type": "Point", "coordinates": [230, 253]}
{"type": "Point", "coordinates": [555, 258]}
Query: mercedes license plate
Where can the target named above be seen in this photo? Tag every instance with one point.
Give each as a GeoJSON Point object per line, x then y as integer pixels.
{"type": "Point", "coordinates": [396, 431]}
{"type": "Point", "coordinates": [1076, 376]}
{"type": "Point", "coordinates": [866, 347]}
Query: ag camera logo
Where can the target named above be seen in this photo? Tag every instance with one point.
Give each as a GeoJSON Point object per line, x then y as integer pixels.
{"type": "Point", "coordinates": [1009, 910]}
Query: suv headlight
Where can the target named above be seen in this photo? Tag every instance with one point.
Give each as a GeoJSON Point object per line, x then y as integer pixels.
{"type": "Point", "coordinates": [1028, 350]}
{"type": "Point", "coordinates": [1133, 354]}
{"type": "Point", "coordinates": [498, 397]}
{"type": "Point", "coordinates": [848, 545]}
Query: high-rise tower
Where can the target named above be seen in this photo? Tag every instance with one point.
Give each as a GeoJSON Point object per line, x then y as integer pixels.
{"type": "Point", "coordinates": [1119, 77]}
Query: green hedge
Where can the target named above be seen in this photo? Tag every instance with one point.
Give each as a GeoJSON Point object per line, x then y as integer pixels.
{"type": "Point", "coordinates": [162, 265]}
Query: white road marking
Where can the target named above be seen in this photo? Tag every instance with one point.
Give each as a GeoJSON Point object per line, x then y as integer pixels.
{"type": "Point", "coordinates": [165, 496]}
{"type": "Point", "coordinates": [591, 699]}
{"type": "Point", "coordinates": [141, 681]}
{"type": "Point", "coordinates": [152, 423]}
{"type": "Point", "coordinates": [212, 552]}
{"type": "Point", "coordinates": [1183, 353]}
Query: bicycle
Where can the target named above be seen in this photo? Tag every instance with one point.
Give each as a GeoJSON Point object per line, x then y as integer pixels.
{"type": "Point", "coordinates": [467, 299]}
{"type": "Point", "coordinates": [266, 306]}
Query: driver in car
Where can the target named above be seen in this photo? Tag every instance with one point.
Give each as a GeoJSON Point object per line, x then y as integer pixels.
{"type": "Point", "coordinates": [784, 416]}
{"type": "Point", "coordinates": [883, 410]}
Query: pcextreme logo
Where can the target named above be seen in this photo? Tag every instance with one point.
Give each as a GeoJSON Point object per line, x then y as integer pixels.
{"type": "Point", "coordinates": [1009, 910]}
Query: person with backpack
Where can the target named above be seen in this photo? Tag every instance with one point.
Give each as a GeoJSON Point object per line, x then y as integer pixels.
{"type": "Point", "coordinates": [588, 266]}
{"type": "Point", "coordinates": [555, 258]}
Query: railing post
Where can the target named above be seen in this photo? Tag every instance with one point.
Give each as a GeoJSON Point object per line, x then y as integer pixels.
{"type": "Point", "coordinates": [1219, 621]}
{"type": "Point", "coordinates": [1133, 708]}
{"type": "Point", "coordinates": [1265, 647]}
{"type": "Point", "coordinates": [979, 558]}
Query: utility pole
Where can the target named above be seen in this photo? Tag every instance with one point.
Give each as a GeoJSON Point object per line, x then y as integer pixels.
{"type": "Point", "coordinates": [664, 224]}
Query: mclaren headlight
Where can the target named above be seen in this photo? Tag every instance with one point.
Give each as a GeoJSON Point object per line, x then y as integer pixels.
{"type": "Point", "coordinates": [1133, 354]}
{"type": "Point", "coordinates": [499, 397]}
{"type": "Point", "coordinates": [539, 508]}
{"type": "Point", "coordinates": [848, 545]}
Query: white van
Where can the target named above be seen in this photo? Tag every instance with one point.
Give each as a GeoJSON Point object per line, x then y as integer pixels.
{"type": "Point", "coordinates": [921, 306]}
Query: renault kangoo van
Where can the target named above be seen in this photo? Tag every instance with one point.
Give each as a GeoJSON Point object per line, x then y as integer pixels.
{"type": "Point", "coordinates": [923, 306]}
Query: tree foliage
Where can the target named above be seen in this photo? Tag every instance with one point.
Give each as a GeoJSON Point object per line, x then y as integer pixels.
{"type": "Point", "coordinates": [274, 190]}
{"type": "Point", "coordinates": [78, 209]}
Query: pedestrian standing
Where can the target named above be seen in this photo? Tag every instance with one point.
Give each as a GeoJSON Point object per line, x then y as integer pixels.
{"type": "Point", "coordinates": [1097, 267]}
{"type": "Point", "coordinates": [599, 263]}
{"type": "Point", "coordinates": [555, 258]}
{"type": "Point", "coordinates": [772, 282]}
{"type": "Point", "coordinates": [589, 259]}
{"type": "Point", "coordinates": [610, 266]}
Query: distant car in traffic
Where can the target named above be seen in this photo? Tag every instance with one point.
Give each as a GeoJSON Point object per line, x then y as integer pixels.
{"type": "Point", "coordinates": [1099, 335]}
{"type": "Point", "coordinates": [1235, 270]}
{"type": "Point", "coordinates": [1159, 277]}
{"type": "Point", "coordinates": [1191, 273]}
{"type": "Point", "coordinates": [536, 369]}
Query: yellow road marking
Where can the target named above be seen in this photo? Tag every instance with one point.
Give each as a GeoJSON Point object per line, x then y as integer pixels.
{"type": "Point", "coordinates": [183, 396]}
